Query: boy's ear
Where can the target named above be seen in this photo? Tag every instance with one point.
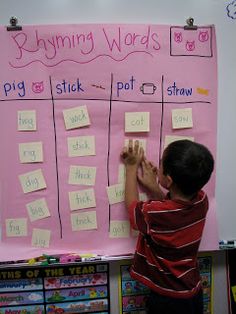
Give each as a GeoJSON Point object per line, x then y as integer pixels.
{"type": "Point", "coordinates": [169, 181]}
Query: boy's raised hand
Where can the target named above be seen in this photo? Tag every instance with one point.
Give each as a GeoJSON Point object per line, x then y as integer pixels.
{"type": "Point", "coordinates": [148, 178]}
{"type": "Point", "coordinates": [133, 154]}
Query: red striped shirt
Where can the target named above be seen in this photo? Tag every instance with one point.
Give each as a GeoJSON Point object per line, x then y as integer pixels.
{"type": "Point", "coordinates": [166, 253]}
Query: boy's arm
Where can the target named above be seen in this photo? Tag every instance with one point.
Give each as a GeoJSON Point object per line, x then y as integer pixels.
{"type": "Point", "coordinates": [156, 193]}
{"type": "Point", "coordinates": [131, 187]}
{"type": "Point", "coordinates": [132, 157]}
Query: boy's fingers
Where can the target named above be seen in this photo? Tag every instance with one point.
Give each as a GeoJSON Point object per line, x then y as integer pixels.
{"type": "Point", "coordinates": [145, 160]}
{"type": "Point", "coordinates": [147, 164]}
{"type": "Point", "coordinates": [141, 152]}
{"type": "Point", "coordinates": [140, 178]}
{"type": "Point", "coordinates": [152, 164]}
{"type": "Point", "coordinates": [145, 167]}
{"type": "Point", "coordinates": [124, 152]}
{"type": "Point", "coordinates": [136, 146]}
{"type": "Point", "coordinates": [155, 170]}
{"type": "Point", "coordinates": [130, 146]}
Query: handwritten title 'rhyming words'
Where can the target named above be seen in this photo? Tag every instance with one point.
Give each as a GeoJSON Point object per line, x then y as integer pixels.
{"type": "Point", "coordinates": [82, 47]}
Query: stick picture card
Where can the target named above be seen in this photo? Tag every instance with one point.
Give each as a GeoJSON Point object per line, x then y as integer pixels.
{"type": "Point", "coordinates": [137, 122]}
{"type": "Point", "coordinates": [32, 181]}
{"type": "Point", "coordinates": [182, 118]}
{"type": "Point", "coordinates": [76, 117]}
{"type": "Point", "coordinates": [26, 120]}
{"type": "Point", "coordinates": [38, 209]}
{"type": "Point", "coordinates": [31, 152]}
{"type": "Point", "coordinates": [84, 221]}
{"type": "Point", "coordinates": [41, 237]}
{"type": "Point", "coordinates": [82, 175]}
{"type": "Point", "coordinates": [82, 199]}
{"type": "Point", "coordinates": [81, 146]}
{"type": "Point", "coordinates": [16, 227]}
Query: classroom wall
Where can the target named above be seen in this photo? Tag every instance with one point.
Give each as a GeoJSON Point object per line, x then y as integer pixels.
{"type": "Point", "coordinates": [164, 12]}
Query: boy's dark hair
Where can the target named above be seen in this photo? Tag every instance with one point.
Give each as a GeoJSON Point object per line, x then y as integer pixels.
{"type": "Point", "coordinates": [189, 164]}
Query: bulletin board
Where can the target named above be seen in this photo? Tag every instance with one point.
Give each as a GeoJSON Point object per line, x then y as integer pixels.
{"type": "Point", "coordinates": [70, 98]}
{"type": "Point", "coordinates": [57, 289]}
{"type": "Point", "coordinates": [133, 295]}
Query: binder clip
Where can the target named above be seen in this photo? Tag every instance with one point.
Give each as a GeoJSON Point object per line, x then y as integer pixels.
{"type": "Point", "coordinates": [190, 25]}
{"type": "Point", "coordinates": [13, 25]}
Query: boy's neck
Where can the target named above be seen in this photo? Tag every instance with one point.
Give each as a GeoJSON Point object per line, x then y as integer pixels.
{"type": "Point", "coordinates": [177, 195]}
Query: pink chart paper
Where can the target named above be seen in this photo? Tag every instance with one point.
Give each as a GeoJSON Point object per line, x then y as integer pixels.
{"type": "Point", "coordinates": [104, 71]}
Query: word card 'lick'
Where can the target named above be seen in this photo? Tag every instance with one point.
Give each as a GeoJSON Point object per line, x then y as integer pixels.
{"type": "Point", "coordinates": [116, 193]}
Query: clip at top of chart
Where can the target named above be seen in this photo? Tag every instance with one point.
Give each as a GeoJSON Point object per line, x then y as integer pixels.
{"type": "Point", "coordinates": [190, 25]}
{"type": "Point", "coordinates": [13, 24]}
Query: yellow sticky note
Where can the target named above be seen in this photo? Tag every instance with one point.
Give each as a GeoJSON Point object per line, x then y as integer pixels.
{"type": "Point", "coordinates": [41, 237]}
{"type": "Point", "coordinates": [38, 209]}
{"type": "Point", "coordinates": [81, 146]}
{"type": "Point", "coordinates": [31, 152]}
{"type": "Point", "coordinates": [182, 118]}
{"type": "Point", "coordinates": [116, 193]}
{"type": "Point", "coordinates": [142, 142]}
{"type": "Point", "coordinates": [16, 227]}
{"type": "Point", "coordinates": [82, 199]}
{"type": "Point", "coordinates": [84, 221]}
{"type": "Point", "coordinates": [137, 122]}
{"type": "Point", "coordinates": [119, 229]}
{"type": "Point", "coordinates": [233, 288]}
{"type": "Point", "coordinates": [76, 117]}
{"type": "Point", "coordinates": [32, 181]}
{"type": "Point", "coordinates": [172, 138]}
{"type": "Point", "coordinates": [82, 175]}
{"type": "Point", "coordinates": [26, 120]}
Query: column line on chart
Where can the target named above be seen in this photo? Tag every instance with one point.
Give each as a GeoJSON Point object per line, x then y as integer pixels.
{"type": "Point", "coordinates": [108, 148]}
{"type": "Point", "coordinates": [55, 139]}
{"type": "Point", "coordinates": [162, 116]}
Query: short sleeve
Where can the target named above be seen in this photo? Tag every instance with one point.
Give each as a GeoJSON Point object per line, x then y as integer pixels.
{"type": "Point", "coordinates": [136, 216]}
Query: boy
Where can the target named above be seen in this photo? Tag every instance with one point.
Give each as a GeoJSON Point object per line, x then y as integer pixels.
{"type": "Point", "coordinates": [170, 227]}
